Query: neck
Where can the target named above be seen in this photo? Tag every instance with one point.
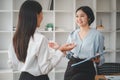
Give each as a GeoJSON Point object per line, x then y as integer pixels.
{"type": "Point", "coordinates": [84, 28]}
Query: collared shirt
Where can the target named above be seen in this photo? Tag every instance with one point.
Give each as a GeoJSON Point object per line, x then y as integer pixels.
{"type": "Point", "coordinates": [40, 58]}
{"type": "Point", "coordinates": [89, 46]}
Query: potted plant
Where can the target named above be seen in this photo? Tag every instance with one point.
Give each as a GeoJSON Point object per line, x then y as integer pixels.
{"type": "Point", "coordinates": [49, 27]}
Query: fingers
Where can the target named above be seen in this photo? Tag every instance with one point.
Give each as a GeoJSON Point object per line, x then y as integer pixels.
{"type": "Point", "coordinates": [67, 47]}
{"type": "Point", "coordinates": [71, 46]}
{"type": "Point", "coordinates": [97, 59]}
{"type": "Point", "coordinates": [53, 45]}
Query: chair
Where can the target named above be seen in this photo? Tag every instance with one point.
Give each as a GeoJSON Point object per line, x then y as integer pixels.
{"type": "Point", "coordinates": [109, 69]}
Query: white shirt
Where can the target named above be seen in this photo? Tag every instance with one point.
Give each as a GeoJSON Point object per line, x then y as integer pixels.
{"type": "Point", "coordinates": [40, 59]}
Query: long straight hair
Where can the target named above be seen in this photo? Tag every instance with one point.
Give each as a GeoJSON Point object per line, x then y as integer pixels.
{"type": "Point", "coordinates": [27, 23]}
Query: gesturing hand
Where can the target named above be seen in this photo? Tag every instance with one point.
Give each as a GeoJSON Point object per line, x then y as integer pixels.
{"type": "Point", "coordinates": [67, 47]}
{"type": "Point", "coordinates": [53, 45]}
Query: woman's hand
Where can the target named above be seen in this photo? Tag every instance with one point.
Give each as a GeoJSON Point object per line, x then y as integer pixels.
{"type": "Point", "coordinates": [96, 60]}
{"type": "Point", "coordinates": [53, 45]}
{"type": "Point", "coordinates": [67, 47]}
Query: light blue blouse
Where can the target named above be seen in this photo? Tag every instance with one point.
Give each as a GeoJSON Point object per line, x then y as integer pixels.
{"type": "Point", "coordinates": [91, 45]}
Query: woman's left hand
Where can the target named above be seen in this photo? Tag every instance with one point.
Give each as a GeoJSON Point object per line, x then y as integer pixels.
{"type": "Point", "coordinates": [96, 60]}
{"type": "Point", "coordinates": [53, 45]}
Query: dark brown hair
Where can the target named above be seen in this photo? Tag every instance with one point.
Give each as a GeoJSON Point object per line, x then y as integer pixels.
{"type": "Point", "coordinates": [89, 13]}
{"type": "Point", "coordinates": [27, 23]}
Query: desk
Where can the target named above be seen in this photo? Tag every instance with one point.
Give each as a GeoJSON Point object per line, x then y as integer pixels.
{"type": "Point", "coordinates": [107, 77]}
{"type": "Point", "coordinates": [100, 77]}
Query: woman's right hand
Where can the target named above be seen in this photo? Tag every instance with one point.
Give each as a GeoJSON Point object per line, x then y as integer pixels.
{"type": "Point", "coordinates": [53, 45]}
{"type": "Point", "coordinates": [66, 47]}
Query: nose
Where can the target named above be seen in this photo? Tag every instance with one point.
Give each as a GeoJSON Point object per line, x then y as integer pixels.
{"type": "Point", "coordinates": [78, 19]}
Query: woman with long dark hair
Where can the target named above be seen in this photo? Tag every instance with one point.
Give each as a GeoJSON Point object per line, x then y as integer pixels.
{"type": "Point", "coordinates": [29, 51]}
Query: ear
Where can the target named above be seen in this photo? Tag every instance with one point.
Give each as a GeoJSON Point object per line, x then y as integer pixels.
{"type": "Point", "coordinates": [39, 18]}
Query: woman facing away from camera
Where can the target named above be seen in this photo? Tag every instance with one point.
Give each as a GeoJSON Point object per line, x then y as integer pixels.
{"type": "Point", "coordinates": [29, 51]}
{"type": "Point", "coordinates": [89, 42]}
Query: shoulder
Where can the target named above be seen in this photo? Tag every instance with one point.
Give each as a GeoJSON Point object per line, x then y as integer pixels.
{"type": "Point", "coordinates": [97, 33]}
{"type": "Point", "coordinates": [38, 37]}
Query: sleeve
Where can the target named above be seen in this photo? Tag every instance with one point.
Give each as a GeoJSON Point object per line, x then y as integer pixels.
{"type": "Point", "coordinates": [69, 53]}
{"type": "Point", "coordinates": [12, 59]}
{"type": "Point", "coordinates": [47, 59]}
{"type": "Point", "coordinates": [100, 49]}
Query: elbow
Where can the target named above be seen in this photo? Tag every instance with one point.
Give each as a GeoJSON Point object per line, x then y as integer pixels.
{"type": "Point", "coordinates": [46, 69]}
{"type": "Point", "coordinates": [102, 60]}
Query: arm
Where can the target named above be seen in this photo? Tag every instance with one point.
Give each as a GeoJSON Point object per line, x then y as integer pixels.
{"type": "Point", "coordinates": [12, 59]}
{"type": "Point", "coordinates": [48, 60]}
{"type": "Point", "coordinates": [100, 59]}
{"type": "Point", "coordinates": [69, 54]}
{"type": "Point", "coordinates": [101, 47]}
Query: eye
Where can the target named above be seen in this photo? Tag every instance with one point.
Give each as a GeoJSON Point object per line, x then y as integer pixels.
{"type": "Point", "coordinates": [76, 15]}
{"type": "Point", "coordinates": [82, 15]}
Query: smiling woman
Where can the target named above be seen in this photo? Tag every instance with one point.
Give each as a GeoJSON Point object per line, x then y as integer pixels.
{"type": "Point", "coordinates": [63, 18]}
{"type": "Point", "coordinates": [89, 42]}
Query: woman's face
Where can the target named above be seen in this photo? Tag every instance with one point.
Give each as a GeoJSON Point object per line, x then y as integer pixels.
{"type": "Point", "coordinates": [39, 19]}
{"type": "Point", "coordinates": [81, 18]}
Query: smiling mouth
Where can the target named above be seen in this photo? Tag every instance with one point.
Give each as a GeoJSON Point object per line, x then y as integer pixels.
{"type": "Point", "coordinates": [79, 22]}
